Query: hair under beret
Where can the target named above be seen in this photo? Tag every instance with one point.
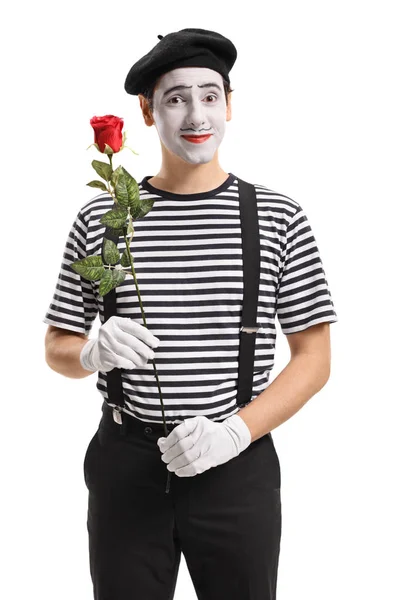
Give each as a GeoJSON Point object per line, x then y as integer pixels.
{"type": "Point", "coordinates": [184, 48]}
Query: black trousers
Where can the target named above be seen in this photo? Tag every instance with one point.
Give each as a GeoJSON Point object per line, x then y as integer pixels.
{"type": "Point", "coordinates": [226, 520]}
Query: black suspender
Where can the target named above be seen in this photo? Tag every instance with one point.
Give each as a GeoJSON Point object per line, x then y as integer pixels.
{"type": "Point", "coordinates": [114, 377]}
{"type": "Point", "coordinates": [251, 279]}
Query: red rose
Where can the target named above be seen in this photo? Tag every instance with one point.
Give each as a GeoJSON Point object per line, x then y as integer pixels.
{"type": "Point", "coordinates": [108, 130]}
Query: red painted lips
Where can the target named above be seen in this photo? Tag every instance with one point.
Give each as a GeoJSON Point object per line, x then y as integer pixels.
{"type": "Point", "coordinates": [196, 139]}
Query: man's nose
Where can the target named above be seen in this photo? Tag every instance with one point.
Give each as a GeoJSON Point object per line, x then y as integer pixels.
{"type": "Point", "coordinates": [195, 115]}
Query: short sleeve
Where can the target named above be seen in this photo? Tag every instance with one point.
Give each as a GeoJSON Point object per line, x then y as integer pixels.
{"type": "Point", "coordinates": [74, 304]}
{"type": "Point", "coordinates": [303, 296]}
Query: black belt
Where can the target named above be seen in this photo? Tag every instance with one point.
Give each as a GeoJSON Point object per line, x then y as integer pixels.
{"type": "Point", "coordinates": [132, 424]}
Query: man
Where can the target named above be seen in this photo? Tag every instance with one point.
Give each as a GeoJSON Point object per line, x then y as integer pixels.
{"type": "Point", "coordinates": [224, 510]}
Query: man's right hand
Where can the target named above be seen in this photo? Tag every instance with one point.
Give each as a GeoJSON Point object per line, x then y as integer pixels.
{"type": "Point", "coordinates": [121, 343]}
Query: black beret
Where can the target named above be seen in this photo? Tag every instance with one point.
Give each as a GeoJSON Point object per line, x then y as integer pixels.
{"type": "Point", "coordinates": [184, 48]}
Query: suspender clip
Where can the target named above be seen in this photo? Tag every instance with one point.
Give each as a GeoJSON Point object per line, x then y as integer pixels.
{"type": "Point", "coordinates": [117, 414]}
{"type": "Point", "coordinates": [250, 329]}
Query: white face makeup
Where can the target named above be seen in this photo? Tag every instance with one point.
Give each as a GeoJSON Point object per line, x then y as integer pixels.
{"type": "Point", "coordinates": [190, 110]}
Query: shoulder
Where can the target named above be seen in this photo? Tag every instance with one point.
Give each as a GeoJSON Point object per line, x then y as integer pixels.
{"type": "Point", "coordinates": [269, 199]}
{"type": "Point", "coordinates": [275, 206]}
{"type": "Point", "coordinates": [95, 207]}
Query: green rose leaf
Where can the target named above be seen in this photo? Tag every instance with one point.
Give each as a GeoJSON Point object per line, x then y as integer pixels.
{"type": "Point", "coordinates": [111, 279]}
{"type": "Point", "coordinates": [144, 207]}
{"type": "Point", "coordinates": [102, 169]}
{"type": "Point", "coordinates": [91, 267]}
{"type": "Point", "coordinates": [126, 189]}
{"type": "Point", "coordinates": [97, 184]}
{"type": "Point", "coordinates": [111, 252]}
{"type": "Point", "coordinates": [116, 218]}
{"type": "Point", "coordinates": [125, 262]}
{"type": "Point", "coordinates": [118, 231]}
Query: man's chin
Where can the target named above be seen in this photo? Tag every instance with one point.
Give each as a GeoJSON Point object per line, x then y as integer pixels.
{"type": "Point", "coordinates": [197, 157]}
{"type": "Point", "coordinates": [197, 161]}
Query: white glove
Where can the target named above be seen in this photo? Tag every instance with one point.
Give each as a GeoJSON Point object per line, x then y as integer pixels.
{"type": "Point", "coordinates": [121, 343]}
{"type": "Point", "coordinates": [198, 444]}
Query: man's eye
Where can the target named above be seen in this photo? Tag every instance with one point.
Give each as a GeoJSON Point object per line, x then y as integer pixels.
{"type": "Point", "coordinates": [170, 101]}
{"type": "Point", "coordinates": [174, 98]}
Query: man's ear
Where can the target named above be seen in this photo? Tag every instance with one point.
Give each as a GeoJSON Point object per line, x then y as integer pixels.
{"type": "Point", "coordinates": [229, 107]}
{"type": "Point", "coordinates": [147, 114]}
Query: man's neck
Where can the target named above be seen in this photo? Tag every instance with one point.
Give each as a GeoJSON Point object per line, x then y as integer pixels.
{"type": "Point", "coordinates": [191, 181]}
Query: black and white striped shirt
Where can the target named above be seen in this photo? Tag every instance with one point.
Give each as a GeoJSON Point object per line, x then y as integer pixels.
{"type": "Point", "coordinates": [188, 262]}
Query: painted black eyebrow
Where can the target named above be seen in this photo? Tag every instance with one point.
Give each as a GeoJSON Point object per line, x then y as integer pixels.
{"type": "Point", "coordinates": [187, 87]}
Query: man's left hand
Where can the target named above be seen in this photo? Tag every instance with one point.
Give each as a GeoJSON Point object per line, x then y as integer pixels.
{"type": "Point", "coordinates": [198, 444]}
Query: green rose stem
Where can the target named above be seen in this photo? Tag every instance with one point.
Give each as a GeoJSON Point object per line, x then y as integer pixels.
{"type": "Point", "coordinates": [145, 323]}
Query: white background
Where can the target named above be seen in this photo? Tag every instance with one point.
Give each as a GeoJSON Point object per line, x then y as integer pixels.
{"type": "Point", "coordinates": [316, 117]}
